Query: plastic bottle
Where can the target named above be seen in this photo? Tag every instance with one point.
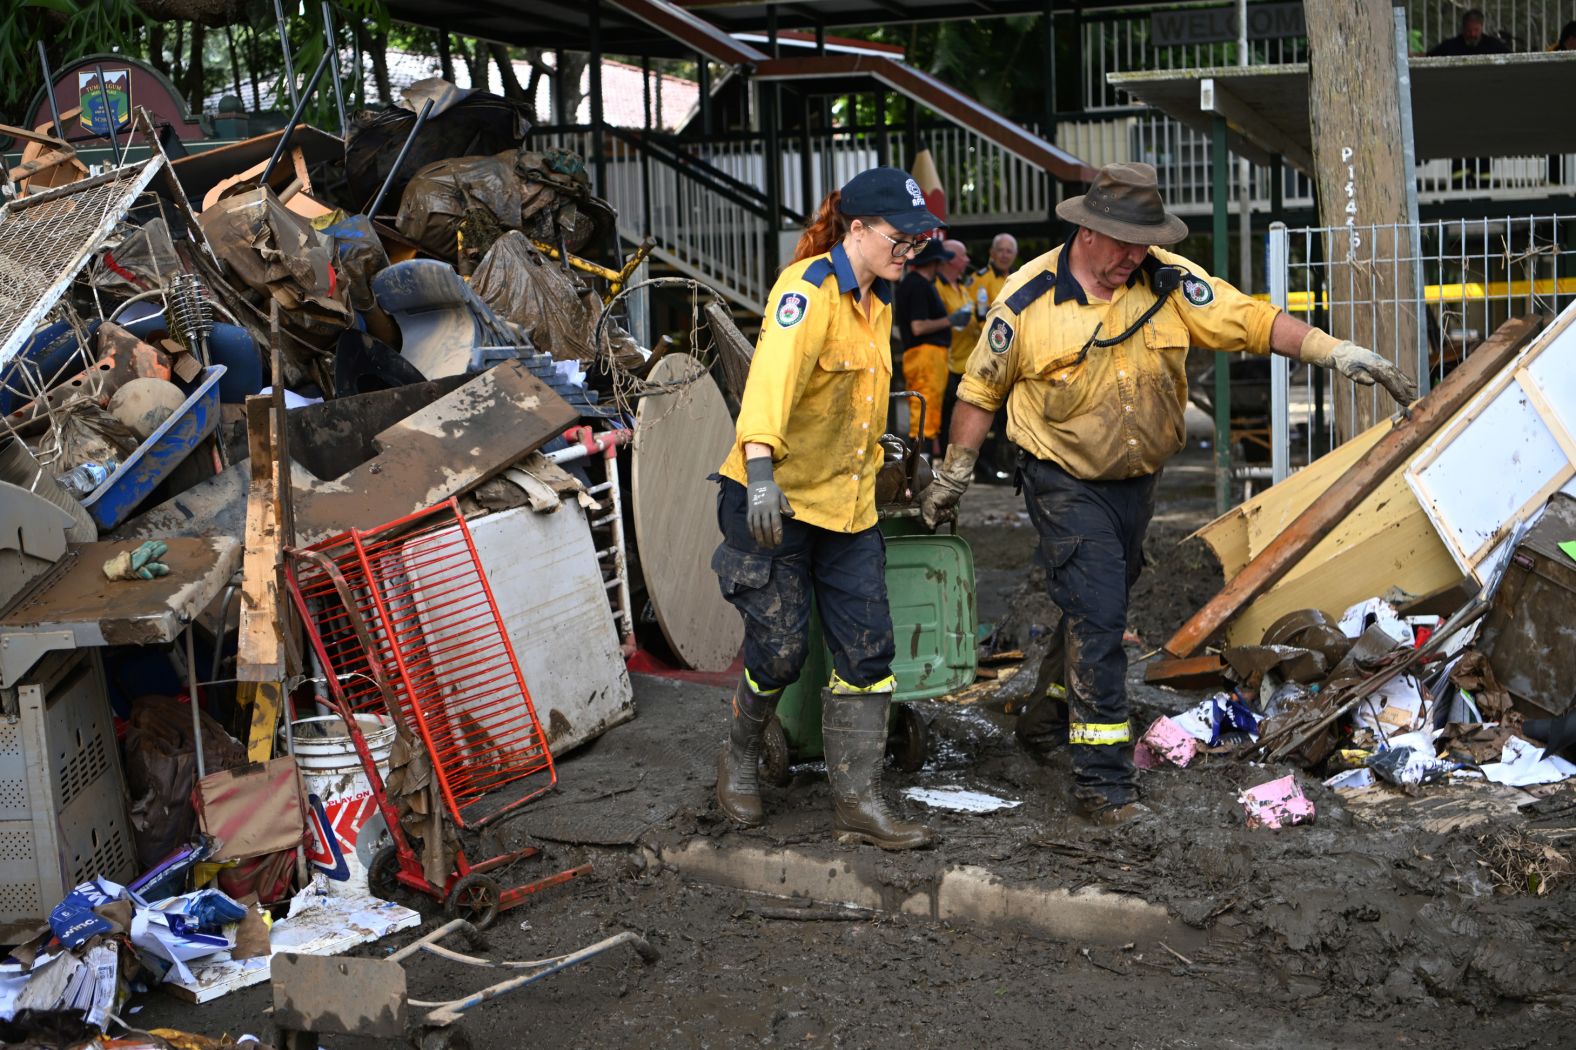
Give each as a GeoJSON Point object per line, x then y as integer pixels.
{"type": "Point", "coordinates": [82, 481]}
{"type": "Point", "coordinates": [981, 304]}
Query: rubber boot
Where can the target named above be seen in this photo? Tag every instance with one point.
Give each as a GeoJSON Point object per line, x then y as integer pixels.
{"type": "Point", "coordinates": [738, 767]}
{"type": "Point", "coordinates": [854, 731]}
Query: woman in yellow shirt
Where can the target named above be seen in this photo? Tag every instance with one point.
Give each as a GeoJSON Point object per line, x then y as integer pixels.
{"type": "Point", "coordinates": [797, 503]}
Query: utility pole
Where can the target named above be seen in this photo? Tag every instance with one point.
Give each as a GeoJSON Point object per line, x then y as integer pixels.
{"type": "Point", "coordinates": [1355, 107]}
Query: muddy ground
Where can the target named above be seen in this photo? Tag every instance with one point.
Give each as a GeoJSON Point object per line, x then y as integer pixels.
{"type": "Point", "coordinates": [1373, 927]}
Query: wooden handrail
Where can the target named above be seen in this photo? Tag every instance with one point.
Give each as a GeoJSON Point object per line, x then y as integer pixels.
{"type": "Point", "coordinates": [699, 34]}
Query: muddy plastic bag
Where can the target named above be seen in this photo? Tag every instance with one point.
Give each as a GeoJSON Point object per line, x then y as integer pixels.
{"type": "Point", "coordinates": [142, 261]}
{"type": "Point", "coordinates": [358, 251]}
{"type": "Point", "coordinates": [439, 195]}
{"type": "Point", "coordinates": [462, 123]}
{"type": "Point", "coordinates": [556, 310]}
{"type": "Point", "coordinates": [543, 194]}
{"type": "Point", "coordinates": [161, 771]}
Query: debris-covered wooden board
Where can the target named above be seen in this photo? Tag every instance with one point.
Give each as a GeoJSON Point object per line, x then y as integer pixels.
{"type": "Point", "coordinates": [446, 448]}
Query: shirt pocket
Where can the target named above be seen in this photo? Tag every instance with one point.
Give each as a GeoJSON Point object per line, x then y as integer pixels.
{"type": "Point", "coordinates": [1067, 380]}
{"type": "Point", "coordinates": [1167, 340]}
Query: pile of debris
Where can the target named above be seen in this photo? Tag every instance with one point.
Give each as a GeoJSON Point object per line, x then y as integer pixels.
{"type": "Point", "coordinates": [318, 493]}
{"type": "Point", "coordinates": [1400, 613]}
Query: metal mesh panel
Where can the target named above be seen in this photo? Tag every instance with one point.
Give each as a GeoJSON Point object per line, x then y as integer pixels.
{"type": "Point", "coordinates": [45, 240]}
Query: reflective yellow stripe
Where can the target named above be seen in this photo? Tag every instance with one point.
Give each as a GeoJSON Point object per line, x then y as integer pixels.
{"type": "Point", "coordinates": [1056, 691]}
{"type": "Point", "coordinates": [1099, 733]}
{"type": "Point", "coordinates": [842, 688]}
{"type": "Point", "coordinates": [749, 680]}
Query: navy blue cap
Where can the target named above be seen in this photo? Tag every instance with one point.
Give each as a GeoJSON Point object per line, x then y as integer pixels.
{"type": "Point", "coordinates": [890, 194]}
{"type": "Point", "coordinates": [933, 251]}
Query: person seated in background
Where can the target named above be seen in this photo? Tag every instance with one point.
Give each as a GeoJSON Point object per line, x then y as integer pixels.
{"type": "Point", "coordinates": [1472, 40]}
{"type": "Point", "coordinates": [1567, 40]}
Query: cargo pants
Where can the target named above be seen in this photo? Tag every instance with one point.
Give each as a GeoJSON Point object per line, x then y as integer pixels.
{"type": "Point", "coordinates": [771, 587]}
{"type": "Point", "coordinates": [1092, 548]}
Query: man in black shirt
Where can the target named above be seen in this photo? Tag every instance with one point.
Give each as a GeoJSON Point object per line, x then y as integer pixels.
{"type": "Point", "coordinates": [926, 330]}
{"type": "Point", "coordinates": [1470, 41]}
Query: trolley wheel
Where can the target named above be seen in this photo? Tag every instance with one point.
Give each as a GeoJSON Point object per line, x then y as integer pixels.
{"type": "Point", "coordinates": [476, 899]}
{"type": "Point", "coordinates": [450, 1037]}
{"type": "Point", "coordinates": [908, 740]}
{"type": "Point", "coordinates": [383, 874]}
{"type": "Point", "coordinates": [774, 754]}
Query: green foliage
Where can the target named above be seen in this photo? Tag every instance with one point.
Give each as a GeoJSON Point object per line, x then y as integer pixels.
{"type": "Point", "coordinates": [69, 29]}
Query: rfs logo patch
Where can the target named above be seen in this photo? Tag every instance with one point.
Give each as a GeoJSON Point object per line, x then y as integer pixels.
{"type": "Point", "coordinates": [1197, 292]}
{"type": "Point", "coordinates": [791, 309]}
{"type": "Point", "coordinates": [999, 336]}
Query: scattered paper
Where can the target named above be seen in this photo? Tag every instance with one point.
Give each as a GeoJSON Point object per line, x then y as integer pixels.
{"type": "Point", "coordinates": [1380, 613]}
{"type": "Point", "coordinates": [1396, 707]}
{"type": "Point", "coordinates": [1221, 713]}
{"type": "Point", "coordinates": [1523, 764]}
{"type": "Point", "coordinates": [959, 800]}
{"type": "Point", "coordinates": [1164, 741]}
{"type": "Point", "coordinates": [1277, 804]}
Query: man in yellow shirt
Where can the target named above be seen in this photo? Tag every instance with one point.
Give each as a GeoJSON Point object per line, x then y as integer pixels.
{"type": "Point", "coordinates": [1087, 347]}
{"type": "Point", "coordinates": [955, 285]}
{"type": "Point", "coordinates": [997, 453]}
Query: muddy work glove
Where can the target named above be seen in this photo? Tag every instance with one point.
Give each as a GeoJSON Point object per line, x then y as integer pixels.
{"type": "Point", "coordinates": [1358, 364]}
{"type": "Point", "coordinates": [961, 316]}
{"type": "Point", "coordinates": [140, 564]}
{"type": "Point", "coordinates": [766, 505]}
{"type": "Point", "coordinates": [939, 501]}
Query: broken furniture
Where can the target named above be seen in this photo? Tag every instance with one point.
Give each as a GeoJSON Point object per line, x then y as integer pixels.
{"type": "Point", "coordinates": [445, 328]}
{"type": "Point", "coordinates": [366, 997]}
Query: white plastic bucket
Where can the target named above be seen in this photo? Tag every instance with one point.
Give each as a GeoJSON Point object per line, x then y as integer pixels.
{"type": "Point", "coordinates": [344, 826]}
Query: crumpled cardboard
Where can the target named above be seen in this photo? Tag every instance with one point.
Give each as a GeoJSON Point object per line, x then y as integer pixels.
{"type": "Point", "coordinates": [277, 254]}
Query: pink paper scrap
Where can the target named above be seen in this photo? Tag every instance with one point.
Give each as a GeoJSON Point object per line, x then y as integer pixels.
{"type": "Point", "coordinates": [1164, 741]}
{"type": "Point", "coordinates": [1277, 804]}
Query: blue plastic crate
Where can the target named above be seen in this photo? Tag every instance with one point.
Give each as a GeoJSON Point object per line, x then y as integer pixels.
{"type": "Point", "coordinates": [112, 502]}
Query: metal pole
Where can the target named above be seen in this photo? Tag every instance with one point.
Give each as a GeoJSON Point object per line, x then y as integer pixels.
{"type": "Point", "coordinates": [399, 159]}
{"type": "Point", "coordinates": [1244, 174]}
{"type": "Point", "coordinates": [295, 118]}
{"type": "Point", "coordinates": [191, 686]}
{"type": "Point", "coordinates": [598, 154]}
{"type": "Point", "coordinates": [1275, 268]}
{"type": "Point", "coordinates": [331, 41]}
{"type": "Point", "coordinates": [1048, 121]}
{"type": "Point", "coordinates": [49, 90]}
{"type": "Point", "coordinates": [284, 44]}
{"type": "Point", "coordinates": [1403, 73]}
{"type": "Point", "coordinates": [109, 112]}
{"type": "Point", "coordinates": [1218, 197]}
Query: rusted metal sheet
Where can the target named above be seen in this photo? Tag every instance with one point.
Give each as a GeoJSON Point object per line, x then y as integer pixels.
{"type": "Point", "coordinates": [1326, 513]}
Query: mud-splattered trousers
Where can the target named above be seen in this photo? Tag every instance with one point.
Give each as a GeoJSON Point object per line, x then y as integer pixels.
{"type": "Point", "coordinates": [771, 588]}
{"type": "Point", "coordinates": [1092, 547]}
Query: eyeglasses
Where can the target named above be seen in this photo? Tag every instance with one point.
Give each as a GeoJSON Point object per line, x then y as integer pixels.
{"type": "Point", "coordinates": [900, 249]}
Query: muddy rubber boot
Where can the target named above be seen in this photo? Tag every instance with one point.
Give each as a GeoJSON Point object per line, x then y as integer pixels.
{"type": "Point", "coordinates": [738, 767]}
{"type": "Point", "coordinates": [854, 731]}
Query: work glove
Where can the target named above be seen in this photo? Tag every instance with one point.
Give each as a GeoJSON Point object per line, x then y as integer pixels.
{"type": "Point", "coordinates": [939, 501]}
{"type": "Point", "coordinates": [140, 564]}
{"type": "Point", "coordinates": [1359, 364]}
{"type": "Point", "coordinates": [767, 506]}
{"type": "Point", "coordinates": [961, 316]}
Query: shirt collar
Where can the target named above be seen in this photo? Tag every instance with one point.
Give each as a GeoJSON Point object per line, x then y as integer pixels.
{"type": "Point", "coordinates": [847, 282]}
{"type": "Point", "coordinates": [1067, 286]}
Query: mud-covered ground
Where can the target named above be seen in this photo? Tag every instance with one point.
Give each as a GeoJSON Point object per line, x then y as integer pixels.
{"type": "Point", "coordinates": [1376, 926]}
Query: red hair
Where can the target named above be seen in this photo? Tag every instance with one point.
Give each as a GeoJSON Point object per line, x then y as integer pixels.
{"type": "Point", "coordinates": [827, 228]}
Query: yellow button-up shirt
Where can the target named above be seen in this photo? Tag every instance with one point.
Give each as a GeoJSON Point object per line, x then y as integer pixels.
{"type": "Point", "coordinates": [1114, 412]}
{"type": "Point", "coordinates": [954, 296]}
{"type": "Point", "coordinates": [817, 392]}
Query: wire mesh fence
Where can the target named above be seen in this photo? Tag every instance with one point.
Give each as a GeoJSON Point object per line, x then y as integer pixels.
{"type": "Point", "coordinates": [1423, 297]}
